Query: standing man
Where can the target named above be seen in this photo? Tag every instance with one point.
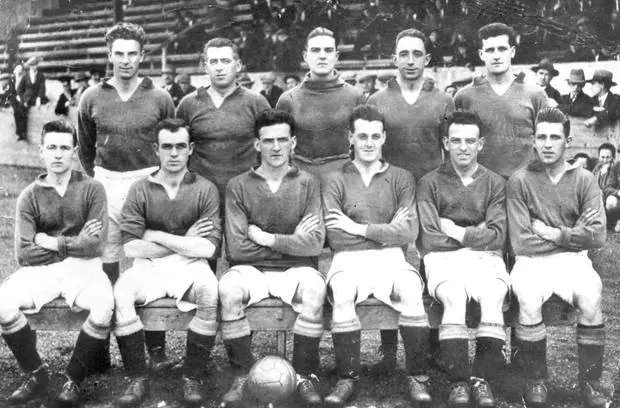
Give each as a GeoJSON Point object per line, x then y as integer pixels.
{"type": "Point", "coordinates": [60, 229]}
{"type": "Point", "coordinates": [370, 215]}
{"type": "Point", "coordinates": [321, 107]}
{"type": "Point", "coordinates": [274, 235]}
{"type": "Point", "coordinates": [270, 91]}
{"type": "Point", "coordinates": [606, 104]}
{"type": "Point", "coordinates": [505, 104]}
{"type": "Point", "coordinates": [175, 91]}
{"type": "Point", "coordinates": [170, 260]}
{"type": "Point", "coordinates": [462, 212]}
{"type": "Point", "coordinates": [577, 103]}
{"type": "Point", "coordinates": [221, 117]}
{"type": "Point", "coordinates": [545, 71]}
{"type": "Point", "coordinates": [555, 215]}
{"type": "Point", "coordinates": [31, 93]}
{"type": "Point", "coordinates": [116, 132]}
{"type": "Point", "coordinates": [16, 104]}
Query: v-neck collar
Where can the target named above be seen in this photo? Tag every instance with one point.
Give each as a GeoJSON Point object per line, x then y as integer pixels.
{"type": "Point", "coordinates": [448, 169]}
{"type": "Point", "coordinates": [146, 83]}
{"type": "Point", "coordinates": [427, 87]}
{"type": "Point", "coordinates": [202, 93]}
{"type": "Point", "coordinates": [350, 168]}
{"type": "Point", "coordinates": [292, 173]}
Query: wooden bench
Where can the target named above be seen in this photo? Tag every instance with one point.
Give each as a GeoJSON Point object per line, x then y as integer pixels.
{"type": "Point", "coordinates": [271, 315]}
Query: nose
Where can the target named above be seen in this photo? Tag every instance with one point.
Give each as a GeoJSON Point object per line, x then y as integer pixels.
{"type": "Point", "coordinates": [463, 146]}
{"type": "Point", "coordinates": [276, 146]}
{"type": "Point", "coordinates": [174, 152]}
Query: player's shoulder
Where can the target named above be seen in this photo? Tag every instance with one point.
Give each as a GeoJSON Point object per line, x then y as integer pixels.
{"type": "Point", "coordinates": [201, 182]}
{"type": "Point", "coordinates": [87, 181]}
{"type": "Point", "coordinates": [492, 176]}
{"type": "Point", "coordinates": [399, 173]}
{"type": "Point", "coordinates": [306, 177]}
{"type": "Point", "coordinates": [240, 180]}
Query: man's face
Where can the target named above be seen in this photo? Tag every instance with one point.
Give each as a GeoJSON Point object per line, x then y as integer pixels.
{"type": "Point", "coordinates": [291, 83]}
{"type": "Point", "coordinates": [173, 150]}
{"type": "Point", "coordinates": [451, 91]}
{"type": "Point", "coordinates": [550, 142]}
{"type": "Point", "coordinates": [321, 55]}
{"type": "Point", "coordinates": [411, 58]}
{"type": "Point", "coordinates": [369, 85]}
{"type": "Point", "coordinates": [543, 77]}
{"type": "Point", "coordinates": [184, 86]}
{"type": "Point", "coordinates": [167, 77]}
{"type": "Point", "coordinates": [267, 84]}
{"type": "Point", "coordinates": [18, 70]}
{"type": "Point", "coordinates": [367, 139]}
{"type": "Point", "coordinates": [221, 66]}
{"type": "Point", "coordinates": [597, 88]}
{"type": "Point", "coordinates": [575, 88]}
{"type": "Point", "coordinates": [57, 151]}
{"type": "Point", "coordinates": [81, 83]}
{"type": "Point", "coordinates": [463, 144]}
{"type": "Point", "coordinates": [125, 56]}
{"type": "Point", "coordinates": [433, 37]}
{"type": "Point", "coordinates": [275, 144]}
{"type": "Point", "coordinates": [604, 156]}
{"type": "Point", "coordinates": [497, 54]}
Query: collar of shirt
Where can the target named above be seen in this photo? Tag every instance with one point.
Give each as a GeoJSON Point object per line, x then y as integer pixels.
{"type": "Point", "coordinates": [203, 94]}
{"type": "Point", "coordinates": [146, 83]}
{"type": "Point", "coordinates": [292, 173]}
{"type": "Point", "coordinates": [448, 169]}
{"type": "Point", "coordinates": [349, 167]}
{"type": "Point", "coordinates": [76, 176]}
{"type": "Point", "coordinates": [188, 179]}
{"type": "Point", "coordinates": [602, 98]}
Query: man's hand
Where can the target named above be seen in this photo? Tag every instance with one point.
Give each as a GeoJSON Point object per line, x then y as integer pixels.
{"type": "Point", "coordinates": [590, 122]}
{"type": "Point", "coordinates": [552, 103]}
{"type": "Point", "coordinates": [201, 228]}
{"type": "Point", "coordinates": [335, 219]}
{"type": "Point", "coordinates": [45, 241]}
{"type": "Point", "coordinates": [447, 225]}
{"type": "Point", "coordinates": [402, 214]}
{"type": "Point", "coordinates": [260, 237]}
{"type": "Point", "coordinates": [482, 225]}
{"type": "Point", "coordinates": [546, 232]}
{"type": "Point", "coordinates": [91, 228]}
{"type": "Point", "coordinates": [307, 224]}
{"type": "Point", "coordinates": [587, 217]}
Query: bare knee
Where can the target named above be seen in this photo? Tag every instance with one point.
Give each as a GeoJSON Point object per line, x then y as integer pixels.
{"type": "Point", "coordinates": [231, 290]}
{"type": "Point", "coordinates": [343, 291]}
{"type": "Point", "coordinates": [530, 306]}
{"type": "Point", "coordinates": [9, 308]}
{"type": "Point", "coordinates": [313, 290]}
{"type": "Point", "coordinates": [588, 300]}
{"type": "Point", "coordinates": [124, 294]}
{"type": "Point", "coordinates": [493, 295]}
{"type": "Point", "coordinates": [611, 203]}
{"type": "Point", "coordinates": [204, 290]}
{"type": "Point", "coordinates": [452, 296]}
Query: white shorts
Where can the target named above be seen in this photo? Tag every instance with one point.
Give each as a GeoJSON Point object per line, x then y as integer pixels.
{"type": "Point", "coordinates": [66, 279]}
{"type": "Point", "coordinates": [277, 284]}
{"type": "Point", "coordinates": [171, 276]}
{"type": "Point", "coordinates": [374, 272]}
{"type": "Point", "coordinates": [473, 269]}
{"type": "Point", "coordinates": [560, 273]}
{"type": "Point", "coordinates": [117, 186]}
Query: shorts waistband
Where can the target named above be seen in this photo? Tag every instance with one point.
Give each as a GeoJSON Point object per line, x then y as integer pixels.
{"type": "Point", "coordinates": [101, 172]}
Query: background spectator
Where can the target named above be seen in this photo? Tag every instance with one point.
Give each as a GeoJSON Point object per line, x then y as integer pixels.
{"type": "Point", "coordinates": [270, 91]}
{"type": "Point", "coordinates": [291, 81]}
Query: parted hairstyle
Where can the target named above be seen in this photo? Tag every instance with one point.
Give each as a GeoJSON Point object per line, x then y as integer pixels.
{"type": "Point", "coordinates": [218, 42]}
{"type": "Point", "coordinates": [412, 32]}
{"type": "Point", "coordinates": [554, 115]}
{"type": "Point", "coordinates": [496, 30]}
{"type": "Point", "coordinates": [365, 112]}
{"type": "Point", "coordinates": [172, 125]}
{"type": "Point", "coordinates": [271, 117]}
{"type": "Point", "coordinates": [608, 146]}
{"type": "Point", "coordinates": [459, 117]}
{"type": "Point", "coordinates": [125, 31]}
{"type": "Point", "coordinates": [59, 126]}
{"type": "Point", "coordinates": [319, 31]}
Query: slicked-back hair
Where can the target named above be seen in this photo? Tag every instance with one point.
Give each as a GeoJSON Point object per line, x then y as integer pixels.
{"type": "Point", "coordinates": [219, 42]}
{"type": "Point", "coordinates": [496, 30]}
{"type": "Point", "coordinates": [59, 125]}
{"type": "Point", "coordinates": [366, 112]}
{"type": "Point", "coordinates": [554, 115]}
{"type": "Point", "coordinates": [320, 31]}
{"type": "Point", "coordinates": [125, 31]}
{"type": "Point", "coordinates": [271, 117]}
{"type": "Point", "coordinates": [412, 32]}
{"type": "Point", "coordinates": [172, 125]}
{"type": "Point", "coordinates": [459, 117]}
{"type": "Point", "coordinates": [608, 146]}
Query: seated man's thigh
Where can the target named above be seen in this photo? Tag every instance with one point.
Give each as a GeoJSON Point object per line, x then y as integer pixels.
{"type": "Point", "coordinates": [93, 293]}
{"type": "Point", "coordinates": [243, 284]}
{"type": "Point", "coordinates": [343, 287]}
{"type": "Point", "coordinates": [487, 279]}
{"type": "Point", "coordinates": [587, 288]}
{"type": "Point", "coordinates": [204, 287]}
{"type": "Point", "coordinates": [298, 286]}
{"type": "Point", "coordinates": [140, 284]}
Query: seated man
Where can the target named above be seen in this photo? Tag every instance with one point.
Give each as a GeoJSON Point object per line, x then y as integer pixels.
{"type": "Point", "coordinates": [461, 207]}
{"type": "Point", "coordinates": [61, 220]}
{"type": "Point", "coordinates": [555, 215]}
{"type": "Point", "coordinates": [170, 223]}
{"type": "Point", "coordinates": [370, 218]}
{"type": "Point", "coordinates": [606, 173]}
{"type": "Point", "coordinates": [274, 235]}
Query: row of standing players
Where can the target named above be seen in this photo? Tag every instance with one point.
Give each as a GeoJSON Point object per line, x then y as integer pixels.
{"type": "Point", "coordinates": [116, 124]}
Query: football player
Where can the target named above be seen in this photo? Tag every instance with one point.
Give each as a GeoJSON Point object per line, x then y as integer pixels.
{"type": "Point", "coordinates": [555, 215]}
{"type": "Point", "coordinates": [61, 226]}
{"type": "Point", "coordinates": [461, 207]}
{"type": "Point", "coordinates": [274, 234]}
{"type": "Point", "coordinates": [170, 225]}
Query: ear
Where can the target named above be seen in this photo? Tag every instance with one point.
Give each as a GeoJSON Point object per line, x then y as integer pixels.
{"type": "Point", "coordinates": [427, 60]}
{"type": "Point", "coordinates": [257, 144]}
{"type": "Point", "coordinates": [351, 136]}
{"type": "Point", "coordinates": [142, 54]}
{"type": "Point", "coordinates": [481, 142]}
{"type": "Point", "coordinates": [191, 148]}
{"type": "Point", "coordinates": [293, 142]}
{"type": "Point", "coordinates": [444, 140]}
{"type": "Point", "coordinates": [238, 65]}
{"type": "Point", "coordinates": [110, 55]}
{"type": "Point", "coordinates": [395, 60]}
{"type": "Point", "coordinates": [337, 53]}
{"type": "Point", "coordinates": [156, 148]}
{"type": "Point", "coordinates": [513, 51]}
{"type": "Point", "coordinates": [305, 56]}
{"type": "Point", "coordinates": [568, 140]}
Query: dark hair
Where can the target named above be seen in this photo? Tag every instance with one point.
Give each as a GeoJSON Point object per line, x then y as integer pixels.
{"type": "Point", "coordinates": [319, 31]}
{"type": "Point", "coordinates": [365, 112]}
{"type": "Point", "coordinates": [608, 146]}
{"type": "Point", "coordinates": [554, 115]}
{"type": "Point", "coordinates": [172, 125]}
{"type": "Point", "coordinates": [496, 30]}
{"type": "Point", "coordinates": [459, 117]}
{"type": "Point", "coordinates": [218, 42]}
{"type": "Point", "coordinates": [272, 117]}
{"type": "Point", "coordinates": [59, 126]}
{"type": "Point", "coordinates": [581, 155]}
{"type": "Point", "coordinates": [125, 31]}
{"type": "Point", "coordinates": [411, 32]}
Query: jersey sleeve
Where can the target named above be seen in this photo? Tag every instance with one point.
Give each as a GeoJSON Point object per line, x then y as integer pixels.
{"type": "Point", "coordinates": [87, 135]}
{"type": "Point", "coordinates": [285, 102]}
{"type": "Point", "coordinates": [432, 238]}
{"type": "Point", "coordinates": [493, 235]}
{"type": "Point", "coordinates": [210, 208]}
{"type": "Point", "coordinates": [133, 213]}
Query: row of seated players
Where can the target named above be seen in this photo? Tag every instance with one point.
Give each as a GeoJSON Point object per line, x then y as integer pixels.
{"type": "Point", "coordinates": [276, 221]}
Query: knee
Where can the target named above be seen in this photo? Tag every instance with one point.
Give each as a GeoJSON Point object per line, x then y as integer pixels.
{"type": "Point", "coordinates": [343, 291]}
{"type": "Point", "coordinates": [588, 299]}
{"type": "Point", "coordinates": [611, 203]}
{"type": "Point", "coordinates": [8, 308]}
{"type": "Point", "coordinates": [313, 291]}
{"type": "Point", "coordinates": [452, 296]}
{"type": "Point", "coordinates": [205, 289]}
{"type": "Point", "coordinates": [231, 289]}
{"type": "Point", "coordinates": [102, 308]}
{"type": "Point", "coordinates": [124, 294]}
{"type": "Point", "coordinates": [494, 294]}
{"type": "Point", "coordinates": [409, 290]}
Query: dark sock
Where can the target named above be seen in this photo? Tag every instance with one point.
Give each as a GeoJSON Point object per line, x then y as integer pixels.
{"type": "Point", "coordinates": [240, 352]}
{"type": "Point", "coordinates": [433, 342]}
{"type": "Point", "coordinates": [112, 270]}
{"type": "Point", "coordinates": [81, 361]}
{"type": "Point", "coordinates": [305, 354]}
{"type": "Point", "coordinates": [389, 341]}
{"type": "Point", "coordinates": [489, 360]}
{"type": "Point", "coordinates": [23, 344]}
{"type": "Point", "coordinates": [455, 358]}
{"type": "Point", "coordinates": [198, 352]}
{"type": "Point", "coordinates": [591, 347]}
{"type": "Point", "coordinates": [347, 352]}
{"type": "Point", "coordinates": [415, 342]}
{"type": "Point", "coordinates": [533, 357]}
{"type": "Point", "coordinates": [132, 352]}
{"type": "Point", "coordinates": [155, 341]}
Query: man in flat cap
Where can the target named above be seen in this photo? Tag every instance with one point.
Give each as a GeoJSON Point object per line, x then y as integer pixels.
{"type": "Point", "coordinates": [544, 74]}
{"type": "Point", "coordinates": [185, 83]}
{"type": "Point", "coordinates": [270, 91]}
{"type": "Point", "coordinates": [175, 91]}
{"type": "Point", "coordinates": [577, 103]}
{"type": "Point", "coordinates": [606, 104]}
{"type": "Point", "coordinates": [30, 92]}
{"type": "Point", "coordinates": [245, 81]}
{"type": "Point", "coordinates": [350, 78]}
{"type": "Point", "coordinates": [81, 80]}
{"type": "Point", "coordinates": [368, 82]}
{"type": "Point", "coordinates": [292, 81]}
{"type": "Point", "coordinates": [5, 89]}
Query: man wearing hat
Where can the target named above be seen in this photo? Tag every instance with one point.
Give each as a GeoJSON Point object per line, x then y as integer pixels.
{"type": "Point", "coordinates": [167, 74]}
{"type": "Point", "coordinates": [245, 81]}
{"type": "Point", "coordinates": [292, 81]}
{"type": "Point", "coordinates": [185, 83]}
{"type": "Point", "coordinates": [350, 78]}
{"type": "Point", "coordinates": [5, 89]}
{"type": "Point", "coordinates": [81, 80]}
{"type": "Point", "coordinates": [576, 103]}
{"type": "Point", "coordinates": [606, 105]}
{"type": "Point", "coordinates": [31, 92]}
{"type": "Point", "coordinates": [66, 97]}
{"type": "Point", "coordinates": [96, 76]}
{"type": "Point", "coordinates": [385, 78]}
{"type": "Point", "coordinates": [544, 74]}
{"type": "Point", "coordinates": [368, 82]}
{"type": "Point", "coordinates": [270, 91]}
